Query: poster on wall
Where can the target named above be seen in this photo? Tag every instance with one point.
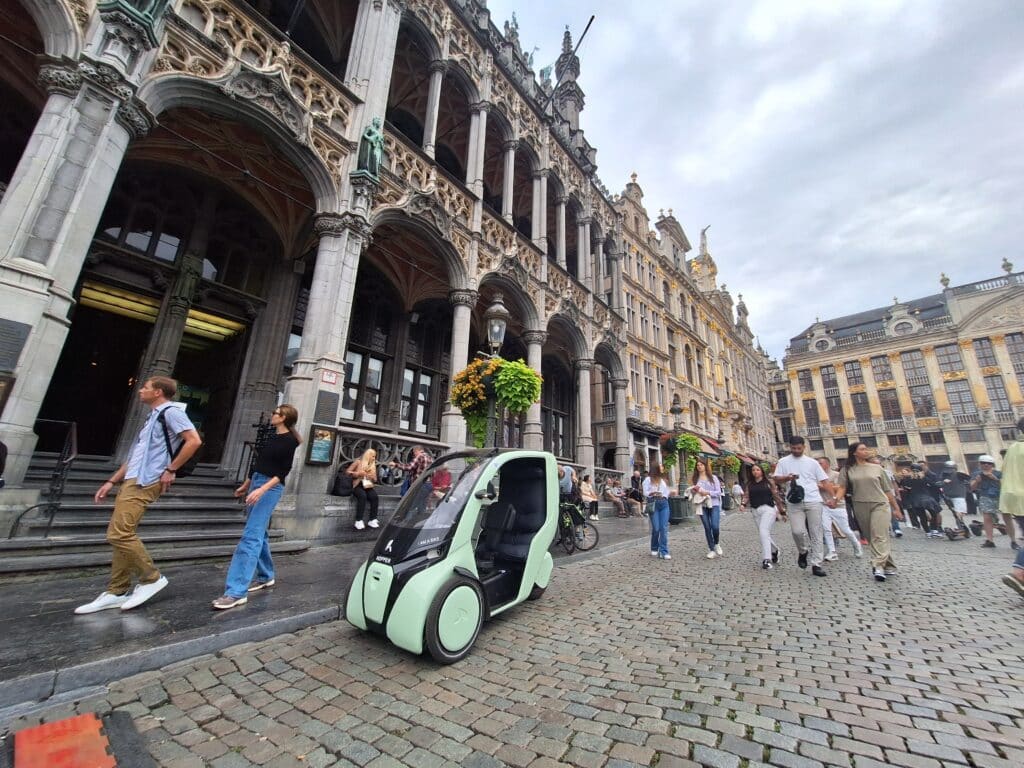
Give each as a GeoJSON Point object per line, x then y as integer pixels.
{"type": "Point", "coordinates": [321, 445]}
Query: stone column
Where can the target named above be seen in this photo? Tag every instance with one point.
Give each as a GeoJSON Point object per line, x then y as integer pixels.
{"type": "Point", "coordinates": [540, 210]}
{"type": "Point", "coordinates": [317, 381]}
{"type": "Point", "coordinates": [372, 55]}
{"type": "Point", "coordinates": [585, 433]}
{"type": "Point", "coordinates": [596, 282]}
{"type": "Point", "coordinates": [621, 430]}
{"type": "Point", "coordinates": [49, 216]}
{"type": "Point", "coordinates": [583, 255]}
{"type": "Point", "coordinates": [618, 297]}
{"type": "Point", "coordinates": [931, 363]}
{"type": "Point", "coordinates": [508, 181]}
{"type": "Point", "coordinates": [437, 70]}
{"type": "Point", "coordinates": [560, 230]}
{"type": "Point", "coordinates": [1012, 380]}
{"type": "Point", "coordinates": [261, 375]}
{"type": "Point", "coordinates": [533, 431]}
{"type": "Point", "coordinates": [476, 159]}
{"type": "Point", "coordinates": [453, 426]}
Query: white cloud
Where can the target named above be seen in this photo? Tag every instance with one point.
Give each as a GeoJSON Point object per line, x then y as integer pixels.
{"type": "Point", "coordinates": [844, 150]}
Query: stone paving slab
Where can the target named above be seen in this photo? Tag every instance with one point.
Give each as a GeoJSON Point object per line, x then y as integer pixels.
{"type": "Point", "coordinates": [48, 650]}
{"type": "Point", "coordinates": [629, 660]}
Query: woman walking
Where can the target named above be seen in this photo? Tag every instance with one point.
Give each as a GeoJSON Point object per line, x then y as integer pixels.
{"type": "Point", "coordinates": [766, 506]}
{"type": "Point", "coordinates": [705, 483]}
{"type": "Point", "coordinates": [262, 490]}
{"type": "Point", "coordinates": [874, 506]}
{"type": "Point", "coordinates": [364, 478]}
{"type": "Point", "coordinates": [656, 490]}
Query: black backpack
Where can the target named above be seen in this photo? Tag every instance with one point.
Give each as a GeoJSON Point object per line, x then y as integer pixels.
{"type": "Point", "coordinates": [189, 466]}
{"type": "Point", "coordinates": [342, 484]}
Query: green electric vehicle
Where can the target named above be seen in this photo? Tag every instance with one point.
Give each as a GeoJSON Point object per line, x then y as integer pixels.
{"type": "Point", "coordinates": [469, 540]}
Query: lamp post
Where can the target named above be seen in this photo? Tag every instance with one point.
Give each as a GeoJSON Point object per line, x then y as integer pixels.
{"type": "Point", "coordinates": [496, 318]}
{"type": "Point", "coordinates": [677, 426]}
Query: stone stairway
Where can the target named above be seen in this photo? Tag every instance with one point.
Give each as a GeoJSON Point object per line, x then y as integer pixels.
{"type": "Point", "coordinates": [198, 519]}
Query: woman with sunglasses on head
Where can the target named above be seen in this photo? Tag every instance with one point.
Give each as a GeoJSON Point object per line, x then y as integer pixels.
{"type": "Point", "coordinates": [874, 504]}
{"type": "Point", "coordinates": [261, 490]}
{"type": "Point", "coordinates": [707, 484]}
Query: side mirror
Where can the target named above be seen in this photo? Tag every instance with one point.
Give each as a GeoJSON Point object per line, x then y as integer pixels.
{"type": "Point", "coordinates": [486, 494]}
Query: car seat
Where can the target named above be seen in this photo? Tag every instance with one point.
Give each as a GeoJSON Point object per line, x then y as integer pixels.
{"type": "Point", "coordinates": [524, 488]}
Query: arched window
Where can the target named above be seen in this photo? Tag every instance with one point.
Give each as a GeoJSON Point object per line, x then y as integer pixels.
{"type": "Point", "coordinates": [370, 347]}
{"type": "Point", "coordinates": [557, 408]}
{"type": "Point", "coordinates": [667, 294]}
{"type": "Point", "coordinates": [689, 364]}
{"type": "Point", "coordinates": [427, 359]}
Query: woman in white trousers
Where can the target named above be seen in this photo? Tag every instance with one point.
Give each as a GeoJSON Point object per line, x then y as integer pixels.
{"type": "Point", "coordinates": [836, 516]}
{"type": "Point", "coordinates": [762, 497]}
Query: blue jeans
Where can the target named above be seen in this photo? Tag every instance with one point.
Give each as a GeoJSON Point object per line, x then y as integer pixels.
{"type": "Point", "coordinates": [252, 555]}
{"type": "Point", "coordinates": [659, 527]}
{"type": "Point", "coordinates": [710, 520]}
{"type": "Point", "coordinates": [1019, 562]}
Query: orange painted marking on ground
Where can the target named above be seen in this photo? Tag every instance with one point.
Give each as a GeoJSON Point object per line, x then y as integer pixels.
{"type": "Point", "coordinates": [77, 742]}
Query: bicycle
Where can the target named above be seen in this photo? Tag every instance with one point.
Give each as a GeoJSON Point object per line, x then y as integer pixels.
{"type": "Point", "coordinates": [574, 532]}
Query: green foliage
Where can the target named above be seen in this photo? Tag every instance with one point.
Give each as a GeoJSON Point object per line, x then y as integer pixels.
{"type": "Point", "coordinates": [688, 444]}
{"type": "Point", "coordinates": [731, 464]}
{"type": "Point", "coordinates": [517, 386]}
{"type": "Point", "coordinates": [477, 423]}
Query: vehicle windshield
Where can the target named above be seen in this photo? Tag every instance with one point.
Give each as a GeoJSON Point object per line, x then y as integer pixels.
{"type": "Point", "coordinates": [429, 513]}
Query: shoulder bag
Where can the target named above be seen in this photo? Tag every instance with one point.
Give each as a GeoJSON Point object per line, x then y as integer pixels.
{"type": "Point", "coordinates": [189, 466]}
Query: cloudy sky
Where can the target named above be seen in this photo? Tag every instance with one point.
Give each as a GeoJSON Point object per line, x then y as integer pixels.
{"type": "Point", "coordinates": [843, 151]}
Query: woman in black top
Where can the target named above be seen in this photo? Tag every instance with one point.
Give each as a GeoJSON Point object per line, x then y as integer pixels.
{"type": "Point", "coordinates": [762, 497]}
{"type": "Point", "coordinates": [252, 555]}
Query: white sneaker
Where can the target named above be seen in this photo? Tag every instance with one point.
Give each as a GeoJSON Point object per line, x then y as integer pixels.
{"type": "Point", "coordinates": [860, 550]}
{"type": "Point", "coordinates": [105, 601]}
{"type": "Point", "coordinates": [143, 592]}
{"type": "Point", "coordinates": [654, 553]}
{"type": "Point", "coordinates": [373, 523]}
{"type": "Point", "coordinates": [667, 557]}
{"type": "Point", "coordinates": [711, 555]}
{"type": "Point", "coordinates": [595, 517]}
{"type": "Point", "coordinates": [832, 556]}
{"type": "Point", "coordinates": [360, 525]}
{"type": "Point", "coordinates": [718, 549]}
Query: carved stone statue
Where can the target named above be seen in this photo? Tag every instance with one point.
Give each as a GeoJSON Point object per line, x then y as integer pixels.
{"type": "Point", "coordinates": [704, 240]}
{"type": "Point", "coordinates": [371, 148]}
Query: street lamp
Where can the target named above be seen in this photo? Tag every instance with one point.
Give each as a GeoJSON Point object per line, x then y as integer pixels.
{"type": "Point", "coordinates": [496, 318]}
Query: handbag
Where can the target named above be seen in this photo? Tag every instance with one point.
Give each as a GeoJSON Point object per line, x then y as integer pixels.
{"type": "Point", "coordinates": [342, 485]}
{"type": "Point", "coordinates": [189, 466]}
{"type": "Point", "coordinates": [367, 483]}
{"type": "Point", "coordinates": [796, 493]}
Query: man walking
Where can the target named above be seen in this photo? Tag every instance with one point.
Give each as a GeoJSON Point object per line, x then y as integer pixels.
{"type": "Point", "coordinates": [420, 461]}
{"type": "Point", "coordinates": [805, 515]}
{"type": "Point", "coordinates": [149, 471]}
{"type": "Point", "coordinates": [1011, 501]}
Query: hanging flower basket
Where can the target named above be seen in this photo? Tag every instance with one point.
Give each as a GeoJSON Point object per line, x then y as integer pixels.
{"type": "Point", "coordinates": [511, 384]}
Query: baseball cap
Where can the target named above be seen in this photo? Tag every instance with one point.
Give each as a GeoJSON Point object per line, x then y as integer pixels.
{"type": "Point", "coordinates": [950, 464]}
{"type": "Point", "coordinates": [986, 459]}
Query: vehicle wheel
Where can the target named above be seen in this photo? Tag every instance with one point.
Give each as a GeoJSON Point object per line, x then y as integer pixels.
{"type": "Point", "coordinates": [589, 537]}
{"type": "Point", "coordinates": [567, 538]}
{"type": "Point", "coordinates": [536, 593]}
{"type": "Point", "coordinates": [454, 619]}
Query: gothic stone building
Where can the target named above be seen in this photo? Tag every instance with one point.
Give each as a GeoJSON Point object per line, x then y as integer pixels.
{"type": "Point", "coordinates": [692, 361]}
{"type": "Point", "coordinates": [939, 377]}
{"type": "Point", "coordinates": [183, 195]}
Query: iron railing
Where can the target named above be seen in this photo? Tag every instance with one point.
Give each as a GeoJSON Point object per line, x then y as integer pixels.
{"type": "Point", "coordinates": [58, 478]}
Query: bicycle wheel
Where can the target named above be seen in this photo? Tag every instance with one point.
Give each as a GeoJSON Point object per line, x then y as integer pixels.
{"type": "Point", "coordinates": [586, 538]}
{"type": "Point", "coordinates": [567, 538]}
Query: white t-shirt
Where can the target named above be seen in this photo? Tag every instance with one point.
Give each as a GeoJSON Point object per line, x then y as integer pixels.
{"type": "Point", "coordinates": [809, 474]}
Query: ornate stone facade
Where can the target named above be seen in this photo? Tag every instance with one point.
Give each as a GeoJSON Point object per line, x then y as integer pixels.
{"type": "Point", "coordinates": [939, 377]}
{"type": "Point", "coordinates": [224, 134]}
{"type": "Point", "coordinates": [691, 357]}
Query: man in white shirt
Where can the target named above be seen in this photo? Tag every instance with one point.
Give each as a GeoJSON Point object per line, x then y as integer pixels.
{"type": "Point", "coordinates": [804, 516]}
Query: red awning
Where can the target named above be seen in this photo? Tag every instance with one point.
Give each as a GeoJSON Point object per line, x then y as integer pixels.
{"type": "Point", "coordinates": [710, 446]}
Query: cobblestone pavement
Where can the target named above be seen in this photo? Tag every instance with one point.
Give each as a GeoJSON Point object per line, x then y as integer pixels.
{"type": "Point", "coordinates": [628, 660]}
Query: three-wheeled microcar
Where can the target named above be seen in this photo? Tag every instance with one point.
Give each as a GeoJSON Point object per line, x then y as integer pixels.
{"type": "Point", "coordinates": [469, 540]}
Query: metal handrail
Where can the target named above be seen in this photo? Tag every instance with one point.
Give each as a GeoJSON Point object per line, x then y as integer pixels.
{"type": "Point", "coordinates": [59, 476]}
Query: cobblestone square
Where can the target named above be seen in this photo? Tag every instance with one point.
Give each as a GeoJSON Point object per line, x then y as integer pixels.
{"type": "Point", "coordinates": [628, 660]}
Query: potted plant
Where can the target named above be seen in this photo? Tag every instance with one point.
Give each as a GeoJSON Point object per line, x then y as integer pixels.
{"type": "Point", "coordinates": [510, 384]}
{"type": "Point", "coordinates": [672, 446]}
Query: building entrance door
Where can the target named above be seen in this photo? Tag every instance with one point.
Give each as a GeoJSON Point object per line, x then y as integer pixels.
{"type": "Point", "coordinates": [95, 379]}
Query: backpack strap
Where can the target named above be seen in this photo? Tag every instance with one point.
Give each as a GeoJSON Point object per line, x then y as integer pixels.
{"type": "Point", "coordinates": [171, 453]}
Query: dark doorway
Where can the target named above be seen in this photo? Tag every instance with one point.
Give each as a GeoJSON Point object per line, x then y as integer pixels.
{"type": "Point", "coordinates": [95, 379]}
